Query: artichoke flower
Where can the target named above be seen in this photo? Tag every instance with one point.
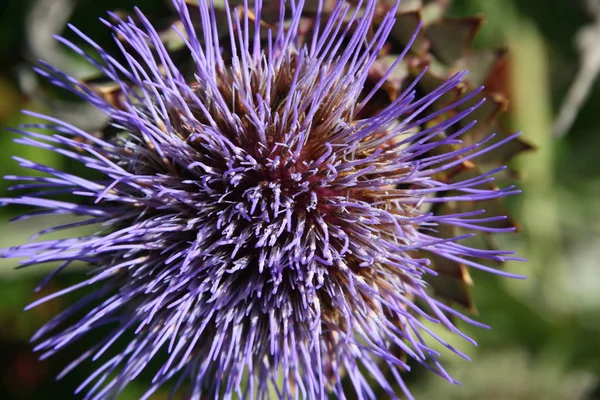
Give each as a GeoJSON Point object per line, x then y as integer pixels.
{"type": "Point", "coordinates": [283, 192]}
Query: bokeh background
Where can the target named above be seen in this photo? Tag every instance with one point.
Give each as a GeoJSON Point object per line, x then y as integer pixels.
{"type": "Point", "coordinates": [545, 341]}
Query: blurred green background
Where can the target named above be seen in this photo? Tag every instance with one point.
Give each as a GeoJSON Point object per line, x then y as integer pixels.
{"type": "Point", "coordinates": [545, 341]}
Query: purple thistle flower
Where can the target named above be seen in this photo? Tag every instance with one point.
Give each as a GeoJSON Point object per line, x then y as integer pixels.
{"type": "Point", "coordinates": [254, 229]}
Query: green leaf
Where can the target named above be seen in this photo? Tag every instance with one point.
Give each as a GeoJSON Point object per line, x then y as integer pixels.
{"type": "Point", "coordinates": [452, 39]}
